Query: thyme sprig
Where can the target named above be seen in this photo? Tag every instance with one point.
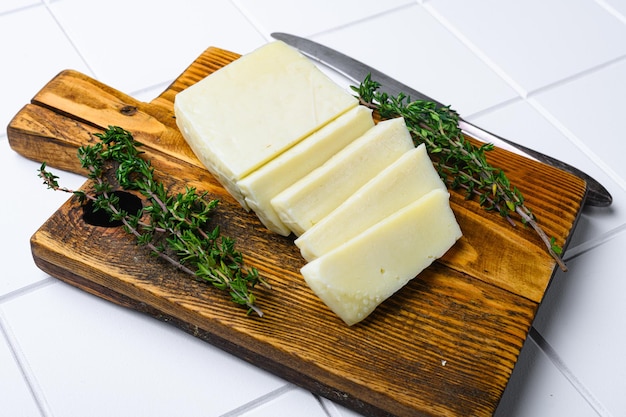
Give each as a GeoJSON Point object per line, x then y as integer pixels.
{"type": "Point", "coordinates": [460, 164]}
{"type": "Point", "coordinates": [174, 227]}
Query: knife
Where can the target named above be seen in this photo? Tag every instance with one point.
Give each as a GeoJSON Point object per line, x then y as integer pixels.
{"type": "Point", "coordinates": [356, 71]}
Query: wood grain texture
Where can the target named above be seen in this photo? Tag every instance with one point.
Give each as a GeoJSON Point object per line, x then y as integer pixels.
{"type": "Point", "coordinates": [445, 345]}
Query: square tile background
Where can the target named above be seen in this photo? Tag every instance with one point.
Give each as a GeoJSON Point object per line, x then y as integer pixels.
{"type": "Point", "coordinates": [550, 74]}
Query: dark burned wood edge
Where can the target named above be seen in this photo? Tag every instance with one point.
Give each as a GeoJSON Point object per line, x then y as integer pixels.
{"type": "Point", "coordinates": [576, 219]}
{"type": "Point", "coordinates": [568, 240]}
{"type": "Point", "coordinates": [274, 367]}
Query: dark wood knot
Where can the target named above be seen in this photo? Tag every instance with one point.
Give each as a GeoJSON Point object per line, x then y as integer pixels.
{"type": "Point", "coordinates": [128, 110]}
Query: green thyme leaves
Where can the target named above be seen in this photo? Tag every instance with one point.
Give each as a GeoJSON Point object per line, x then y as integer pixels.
{"type": "Point", "coordinates": [174, 227]}
{"type": "Point", "coordinates": [462, 165]}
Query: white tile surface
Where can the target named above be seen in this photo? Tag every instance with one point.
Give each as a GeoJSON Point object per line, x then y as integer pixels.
{"type": "Point", "coordinates": [544, 390]}
{"type": "Point", "coordinates": [16, 398]}
{"type": "Point", "coordinates": [583, 321]}
{"type": "Point", "coordinates": [601, 135]}
{"type": "Point", "coordinates": [27, 207]}
{"type": "Point", "coordinates": [550, 74]}
{"type": "Point", "coordinates": [535, 43]}
{"type": "Point", "coordinates": [8, 6]}
{"type": "Point", "coordinates": [436, 64]}
{"type": "Point", "coordinates": [42, 51]}
{"type": "Point", "coordinates": [309, 18]}
{"type": "Point", "coordinates": [134, 45]}
{"type": "Point", "coordinates": [82, 350]}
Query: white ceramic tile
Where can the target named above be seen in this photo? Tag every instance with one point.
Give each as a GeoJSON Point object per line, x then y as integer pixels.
{"type": "Point", "coordinates": [134, 45]}
{"type": "Point", "coordinates": [84, 351]}
{"type": "Point", "coordinates": [592, 108]}
{"type": "Point", "coordinates": [285, 404]}
{"type": "Point", "coordinates": [28, 64]}
{"type": "Point", "coordinates": [420, 52]}
{"type": "Point", "coordinates": [79, 349]}
{"type": "Point", "coordinates": [24, 208]}
{"type": "Point", "coordinates": [537, 42]}
{"type": "Point", "coordinates": [308, 18]}
{"type": "Point", "coordinates": [15, 396]}
{"type": "Point", "coordinates": [523, 123]}
{"type": "Point", "coordinates": [582, 319]}
{"type": "Point", "coordinates": [9, 6]}
{"type": "Point", "coordinates": [538, 388]}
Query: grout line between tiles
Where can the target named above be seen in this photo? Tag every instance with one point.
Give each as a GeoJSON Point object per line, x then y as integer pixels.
{"type": "Point", "coordinates": [28, 375]}
{"type": "Point", "coordinates": [554, 121]}
{"type": "Point", "coordinates": [576, 76]}
{"type": "Point", "coordinates": [20, 8]}
{"type": "Point", "coordinates": [492, 108]}
{"type": "Point", "coordinates": [475, 50]}
{"type": "Point", "coordinates": [250, 18]}
{"type": "Point", "coordinates": [69, 39]}
{"type": "Point", "coordinates": [363, 19]}
{"type": "Point", "coordinates": [554, 357]}
{"type": "Point", "coordinates": [591, 244]}
{"type": "Point", "coordinates": [157, 88]}
{"type": "Point", "coordinates": [328, 406]}
{"type": "Point", "coordinates": [242, 409]}
{"type": "Point", "coordinates": [27, 289]}
{"type": "Point", "coordinates": [576, 141]}
{"type": "Point", "coordinates": [613, 11]}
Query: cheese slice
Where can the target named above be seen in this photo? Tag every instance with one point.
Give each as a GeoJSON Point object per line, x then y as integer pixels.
{"type": "Point", "coordinates": [354, 278]}
{"type": "Point", "coordinates": [246, 113]}
{"type": "Point", "coordinates": [406, 180]}
{"type": "Point", "coordinates": [309, 199]}
{"type": "Point", "coordinates": [270, 179]}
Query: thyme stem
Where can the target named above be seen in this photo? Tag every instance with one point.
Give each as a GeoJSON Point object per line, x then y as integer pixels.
{"type": "Point", "coordinates": [172, 227]}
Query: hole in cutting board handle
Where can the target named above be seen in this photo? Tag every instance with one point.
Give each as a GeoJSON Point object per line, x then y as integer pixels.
{"type": "Point", "coordinates": [128, 202]}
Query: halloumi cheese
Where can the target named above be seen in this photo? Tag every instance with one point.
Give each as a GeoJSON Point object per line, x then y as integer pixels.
{"type": "Point", "coordinates": [354, 278]}
{"type": "Point", "coordinates": [272, 178]}
{"type": "Point", "coordinates": [251, 110]}
{"type": "Point", "coordinates": [406, 180]}
{"type": "Point", "coordinates": [309, 199]}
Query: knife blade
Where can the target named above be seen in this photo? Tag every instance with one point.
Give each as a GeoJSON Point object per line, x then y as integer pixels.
{"type": "Point", "coordinates": [356, 71]}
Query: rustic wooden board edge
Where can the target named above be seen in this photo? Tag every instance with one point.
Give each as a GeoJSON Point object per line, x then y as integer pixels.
{"type": "Point", "coordinates": [274, 367]}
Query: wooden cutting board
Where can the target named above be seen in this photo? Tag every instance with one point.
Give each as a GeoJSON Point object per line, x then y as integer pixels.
{"type": "Point", "coordinates": [444, 345]}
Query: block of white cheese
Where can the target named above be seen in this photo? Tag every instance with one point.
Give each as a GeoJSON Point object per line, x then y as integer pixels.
{"type": "Point", "coordinates": [248, 112]}
{"type": "Point", "coordinates": [260, 186]}
{"type": "Point", "coordinates": [354, 278]}
{"type": "Point", "coordinates": [406, 180]}
{"type": "Point", "coordinates": [309, 199]}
